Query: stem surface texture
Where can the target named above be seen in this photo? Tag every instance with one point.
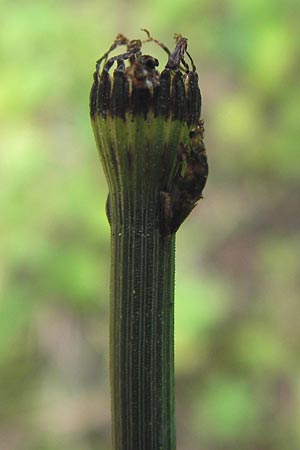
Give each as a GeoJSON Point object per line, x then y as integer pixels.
{"type": "Point", "coordinates": [141, 327]}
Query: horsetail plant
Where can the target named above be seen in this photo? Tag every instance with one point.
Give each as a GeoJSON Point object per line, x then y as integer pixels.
{"type": "Point", "coordinates": [150, 139]}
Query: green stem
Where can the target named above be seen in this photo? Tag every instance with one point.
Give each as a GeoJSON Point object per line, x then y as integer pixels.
{"type": "Point", "coordinates": [150, 139]}
{"type": "Point", "coordinates": [141, 325]}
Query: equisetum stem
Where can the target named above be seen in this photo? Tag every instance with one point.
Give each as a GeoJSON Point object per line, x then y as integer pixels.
{"type": "Point", "coordinates": [141, 326]}
{"type": "Point", "coordinates": [150, 139]}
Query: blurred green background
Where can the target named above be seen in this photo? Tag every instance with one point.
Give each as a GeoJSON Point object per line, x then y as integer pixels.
{"type": "Point", "coordinates": [238, 269]}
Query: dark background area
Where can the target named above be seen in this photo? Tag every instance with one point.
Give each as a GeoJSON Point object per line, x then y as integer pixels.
{"type": "Point", "coordinates": [238, 269]}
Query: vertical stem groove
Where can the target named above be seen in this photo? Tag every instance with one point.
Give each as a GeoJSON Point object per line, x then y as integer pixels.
{"type": "Point", "coordinates": [141, 326]}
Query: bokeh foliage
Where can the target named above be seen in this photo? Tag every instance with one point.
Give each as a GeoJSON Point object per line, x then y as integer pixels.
{"type": "Point", "coordinates": [238, 270]}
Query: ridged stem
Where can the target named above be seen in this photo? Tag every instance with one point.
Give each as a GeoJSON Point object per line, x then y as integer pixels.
{"type": "Point", "coordinates": [141, 325]}
{"type": "Point", "coordinates": [150, 140]}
